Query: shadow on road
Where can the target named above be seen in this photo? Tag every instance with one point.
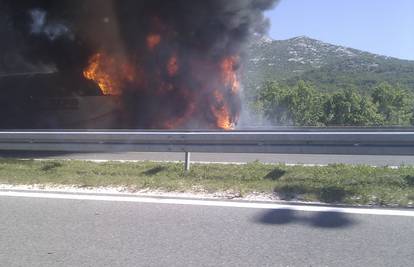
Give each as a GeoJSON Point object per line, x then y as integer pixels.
{"type": "Point", "coordinates": [329, 219]}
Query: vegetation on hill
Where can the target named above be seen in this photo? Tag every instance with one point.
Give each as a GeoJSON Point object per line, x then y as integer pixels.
{"type": "Point", "coordinates": [328, 67]}
{"type": "Point", "coordinates": [304, 105]}
{"type": "Point", "coordinates": [306, 82]}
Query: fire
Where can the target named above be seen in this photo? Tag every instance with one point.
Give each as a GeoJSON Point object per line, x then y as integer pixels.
{"type": "Point", "coordinates": [221, 112]}
{"type": "Point", "coordinates": [229, 74]}
{"type": "Point", "coordinates": [153, 40]}
{"type": "Point", "coordinates": [110, 73]}
{"type": "Point", "coordinates": [208, 97]}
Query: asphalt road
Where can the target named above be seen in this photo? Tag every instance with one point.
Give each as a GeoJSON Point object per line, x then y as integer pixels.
{"type": "Point", "coordinates": [58, 232]}
{"type": "Point", "coordinates": [223, 157]}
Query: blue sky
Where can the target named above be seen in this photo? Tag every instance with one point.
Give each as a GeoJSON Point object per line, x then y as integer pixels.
{"type": "Point", "coordinates": [380, 26]}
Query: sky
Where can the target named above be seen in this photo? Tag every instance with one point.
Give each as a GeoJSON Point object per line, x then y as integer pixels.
{"type": "Point", "coordinates": [383, 27]}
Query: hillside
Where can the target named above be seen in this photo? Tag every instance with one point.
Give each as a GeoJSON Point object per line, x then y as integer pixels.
{"type": "Point", "coordinates": [329, 67]}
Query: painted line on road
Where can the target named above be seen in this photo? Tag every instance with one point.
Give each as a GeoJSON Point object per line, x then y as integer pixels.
{"type": "Point", "coordinates": [213, 203]}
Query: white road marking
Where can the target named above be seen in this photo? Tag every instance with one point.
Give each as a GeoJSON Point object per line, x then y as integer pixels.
{"type": "Point", "coordinates": [213, 203]}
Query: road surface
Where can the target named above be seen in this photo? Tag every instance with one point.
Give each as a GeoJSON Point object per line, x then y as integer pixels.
{"type": "Point", "coordinates": [223, 157]}
{"type": "Point", "coordinates": [80, 232]}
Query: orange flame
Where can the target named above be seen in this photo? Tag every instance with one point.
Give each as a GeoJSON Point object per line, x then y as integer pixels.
{"type": "Point", "coordinates": [153, 40]}
{"type": "Point", "coordinates": [109, 73]}
{"type": "Point", "coordinates": [221, 112]}
{"type": "Point", "coordinates": [114, 73]}
{"type": "Point", "coordinates": [229, 74]}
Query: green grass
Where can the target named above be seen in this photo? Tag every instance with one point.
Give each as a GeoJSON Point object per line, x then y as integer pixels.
{"type": "Point", "coordinates": [332, 184]}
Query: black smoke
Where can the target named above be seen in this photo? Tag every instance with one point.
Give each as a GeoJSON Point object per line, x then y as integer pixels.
{"type": "Point", "coordinates": [63, 35]}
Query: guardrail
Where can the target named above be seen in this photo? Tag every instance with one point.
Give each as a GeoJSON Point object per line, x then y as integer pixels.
{"type": "Point", "coordinates": [326, 141]}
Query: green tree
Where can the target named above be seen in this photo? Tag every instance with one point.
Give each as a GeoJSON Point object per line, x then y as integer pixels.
{"type": "Point", "coordinates": [349, 108]}
{"type": "Point", "coordinates": [300, 105]}
{"type": "Point", "coordinates": [273, 99]}
{"type": "Point", "coordinates": [305, 105]}
{"type": "Point", "coordinates": [394, 104]}
{"type": "Point", "coordinates": [412, 119]}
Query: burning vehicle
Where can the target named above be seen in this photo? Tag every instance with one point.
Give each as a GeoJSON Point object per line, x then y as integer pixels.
{"type": "Point", "coordinates": [125, 64]}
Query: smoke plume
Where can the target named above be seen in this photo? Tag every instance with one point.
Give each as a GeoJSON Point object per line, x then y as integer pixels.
{"type": "Point", "coordinates": [173, 64]}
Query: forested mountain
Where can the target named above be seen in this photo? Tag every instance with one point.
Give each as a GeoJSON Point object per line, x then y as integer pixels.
{"type": "Point", "coordinates": [328, 67]}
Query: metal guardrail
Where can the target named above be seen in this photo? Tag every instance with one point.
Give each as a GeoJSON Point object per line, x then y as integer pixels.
{"type": "Point", "coordinates": [326, 141]}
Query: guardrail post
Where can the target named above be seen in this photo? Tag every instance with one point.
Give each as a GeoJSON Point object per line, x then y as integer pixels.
{"type": "Point", "coordinates": [187, 161]}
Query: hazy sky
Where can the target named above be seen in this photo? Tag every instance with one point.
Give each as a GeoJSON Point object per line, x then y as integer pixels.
{"type": "Point", "coordinates": [380, 26]}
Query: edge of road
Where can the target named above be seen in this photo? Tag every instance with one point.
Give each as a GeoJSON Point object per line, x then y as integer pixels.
{"type": "Point", "coordinates": [185, 199]}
